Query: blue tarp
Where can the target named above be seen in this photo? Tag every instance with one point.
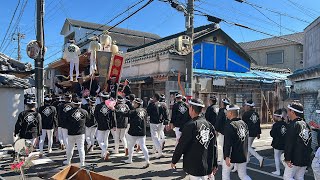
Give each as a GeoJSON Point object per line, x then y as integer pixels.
{"type": "Point", "coordinates": [252, 75]}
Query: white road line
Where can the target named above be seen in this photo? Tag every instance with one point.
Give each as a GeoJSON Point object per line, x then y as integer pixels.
{"type": "Point", "coordinates": [263, 172]}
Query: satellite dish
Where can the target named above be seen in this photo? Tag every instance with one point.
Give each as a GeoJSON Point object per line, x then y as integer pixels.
{"type": "Point", "coordinates": [183, 45]}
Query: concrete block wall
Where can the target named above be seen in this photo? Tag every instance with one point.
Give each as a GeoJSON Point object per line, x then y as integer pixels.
{"type": "Point", "coordinates": [311, 104]}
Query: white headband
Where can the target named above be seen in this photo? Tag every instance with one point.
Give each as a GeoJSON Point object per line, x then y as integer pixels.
{"type": "Point", "coordinates": [78, 103]}
{"type": "Point", "coordinates": [318, 111]}
{"type": "Point", "coordinates": [178, 95]}
{"type": "Point", "coordinates": [232, 108]}
{"type": "Point", "coordinates": [196, 104]}
{"type": "Point", "coordinates": [225, 101]}
{"type": "Point", "coordinates": [277, 115]}
{"type": "Point", "coordinates": [248, 104]}
{"type": "Point", "coordinates": [47, 99]}
{"type": "Point", "coordinates": [295, 110]}
{"type": "Point", "coordinates": [104, 95]}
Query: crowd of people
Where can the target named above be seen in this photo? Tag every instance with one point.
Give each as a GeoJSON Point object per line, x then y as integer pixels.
{"type": "Point", "coordinates": [84, 120]}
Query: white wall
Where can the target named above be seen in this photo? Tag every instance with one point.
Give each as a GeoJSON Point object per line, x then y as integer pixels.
{"type": "Point", "coordinates": [10, 107]}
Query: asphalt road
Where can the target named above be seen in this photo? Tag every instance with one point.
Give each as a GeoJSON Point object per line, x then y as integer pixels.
{"type": "Point", "coordinates": [159, 169]}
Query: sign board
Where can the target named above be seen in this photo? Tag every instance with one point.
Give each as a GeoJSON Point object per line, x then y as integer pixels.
{"type": "Point", "coordinates": [103, 66]}
{"type": "Point", "coordinates": [116, 68]}
{"type": "Point", "coordinates": [219, 82]}
{"type": "Point", "coordinates": [33, 49]}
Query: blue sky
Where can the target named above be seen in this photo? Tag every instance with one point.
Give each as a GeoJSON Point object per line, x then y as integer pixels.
{"type": "Point", "coordinates": [158, 18]}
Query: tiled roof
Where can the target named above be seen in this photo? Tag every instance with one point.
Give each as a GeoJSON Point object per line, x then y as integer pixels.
{"type": "Point", "coordinates": [167, 44]}
{"type": "Point", "coordinates": [270, 69]}
{"type": "Point", "coordinates": [8, 64]}
{"type": "Point", "coordinates": [11, 81]}
{"type": "Point", "coordinates": [115, 30]}
{"type": "Point", "coordinates": [296, 38]}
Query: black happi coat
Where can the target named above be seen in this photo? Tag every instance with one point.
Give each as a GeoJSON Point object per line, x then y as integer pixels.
{"type": "Point", "coordinates": [252, 119]}
{"type": "Point", "coordinates": [180, 114]}
{"type": "Point", "coordinates": [112, 88]}
{"type": "Point", "coordinates": [122, 121]}
{"type": "Point", "coordinates": [221, 121]}
{"type": "Point", "coordinates": [77, 118]}
{"type": "Point", "coordinates": [137, 120]}
{"type": "Point", "coordinates": [211, 115]}
{"type": "Point", "coordinates": [60, 106]}
{"type": "Point", "coordinates": [91, 122]}
{"type": "Point", "coordinates": [298, 143]}
{"type": "Point", "coordinates": [278, 132]}
{"type": "Point", "coordinates": [104, 117]}
{"type": "Point", "coordinates": [127, 90]}
{"type": "Point", "coordinates": [28, 125]}
{"type": "Point", "coordinates": [198, 145]}
{"type": "Point", "coordinates": [64, 109]}
{"type": "Point", "coordinates": [236, 141]}
{"type": "Point", "coordinates": [129, 104]}
{"type": "Point", "coordinates": [158, 112]}
{"type": "Point", "coordinates": [49, 116]}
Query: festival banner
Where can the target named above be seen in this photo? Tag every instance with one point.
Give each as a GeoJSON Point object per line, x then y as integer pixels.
{"type": "Point", "coordinates": [103, 66]}
{"type": "Point", "coordinates": [116, 68]}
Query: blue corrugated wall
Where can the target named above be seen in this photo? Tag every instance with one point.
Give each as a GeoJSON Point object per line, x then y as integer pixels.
{"type": "Point", "coordinates": [218, 57]}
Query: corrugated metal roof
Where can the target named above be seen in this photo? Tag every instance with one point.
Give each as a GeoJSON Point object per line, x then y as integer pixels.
{"type": "Point", "coordinates": [269, 77]}
{"type": "Point", "coordinates": [274, 41]}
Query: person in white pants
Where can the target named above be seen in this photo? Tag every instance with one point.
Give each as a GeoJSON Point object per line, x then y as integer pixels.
{"type": "Point", "coordinates": [198, 145]}
{"type": "Point", "coordinates": [28, 125]}
{"type": "Point", "coordinates": [63, 110]}
{"type": "Point", "coordinates": [71, 54]}
{"type": "Point", "coordinates": [104, 117]}
{"type": "Point", "coordinates": [235, 145]}
{"type": "Point", "coordinates": [278, 133]}
{"type": "Point", "coordinates": [179, 116]}
{"type": "Point", "coordinates": [76, 131]}
{"type": "Point", "coordinates": [297, 149]}
{"type": "Point", "coordinates": [316, 165]}
{"type": "Point", "coordinates": [220, 123]}
{"type": "Point", "coordinates": [137, 131]}
{"type": "Point", "coordinates": [252, 119]}
{"type": "Point", "coordinates": [121, 125]}
{"type": "Point", "coordinates": [91, 125]}
{"type": "Point", "coordinates": [49, 122]}
{"type": "Point", "coordinates": [94, 46]}
{"type": "Point", "coordinates": [157, 113]}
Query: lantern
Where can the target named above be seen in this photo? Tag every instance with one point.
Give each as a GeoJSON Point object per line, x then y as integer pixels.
{"type": "Point", "coordinates": [114, 48]}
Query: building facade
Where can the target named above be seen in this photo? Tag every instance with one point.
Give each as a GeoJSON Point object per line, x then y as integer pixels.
{"type": "Point", "coordinates": [306, 81]}
{"type": "Point", "coordinates": [220, 67]}
{"type": "Point", "coordinates": [284, 52]}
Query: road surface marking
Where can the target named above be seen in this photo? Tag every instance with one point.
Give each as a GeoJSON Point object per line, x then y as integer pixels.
{"type": "Point", "coordinates": [263, 172]}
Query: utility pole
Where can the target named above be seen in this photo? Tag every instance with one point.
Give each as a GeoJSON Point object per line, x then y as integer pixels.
{"type": "Point", "coordinates": [189, 58]}
{"type": "Point", "coordinates": [19, 37]}
{"type": "Point", "coordinates": [39, 60]}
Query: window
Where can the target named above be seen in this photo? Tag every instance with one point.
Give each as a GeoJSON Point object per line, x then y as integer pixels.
{"type": "Point", "coordinates": [275, 57]}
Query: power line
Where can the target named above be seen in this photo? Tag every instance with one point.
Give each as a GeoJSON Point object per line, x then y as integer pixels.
{"type": "Point", "coordinates": [279, 25]}
{"type": "Point", "coordinates": [217, 19]}
{"type": "Point", "coordinates": [119, 16]}
{"type": "Point", "coordinates": [241, 20]}
{"type": "Point", "coordinates": [14, 13]}
{"type": "Point", "coordinates": [303, 9]}
{"type": "Point", "coordinates": [18, 20]}
{"type": "Point", "coordinates": [274, 11]}
{"type": "Point", "coordinates": [110, 28]}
